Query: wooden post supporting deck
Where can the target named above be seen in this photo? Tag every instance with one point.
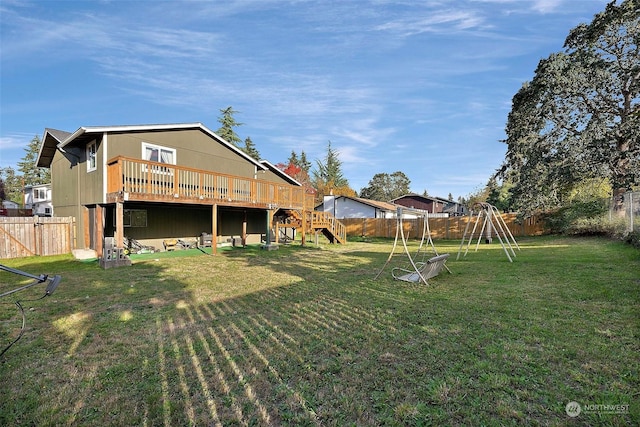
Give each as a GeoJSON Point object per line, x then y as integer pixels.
{"type": "Point", "coordinates": [244, 229]}
{"type": "Point", "coordinates": [119, 224]}
{"type": "Point", "coordinates": [214, 229]}
{"type": "Point", "coordinates": [98, 230]}
{"type": "Point", "coordinates": [304, 227]}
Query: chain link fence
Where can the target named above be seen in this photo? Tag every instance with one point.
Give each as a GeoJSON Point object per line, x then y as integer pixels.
{"type": "Point", "coordinates": [632, 211]}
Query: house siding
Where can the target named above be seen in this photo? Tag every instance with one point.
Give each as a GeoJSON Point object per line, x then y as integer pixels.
{"type": "Point", "coordinates": [194, 149]}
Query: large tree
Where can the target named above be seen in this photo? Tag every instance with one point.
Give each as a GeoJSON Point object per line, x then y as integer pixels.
{"type": "Point", "coordinates": [579, 117]}
{"type": "Point", "coordinates": [228, 124]}
{"type": "Point", "coordinates": [13, 188]}
{"type": "Point", "coordinates": [328, 177]}
{"type": "Point", "coordinates": [250, 148]}
{"type": "Point", "coordinates": [32, 175]}
{"type": "Point", "coordinates": [297, 167]}
{"type": "Point", "coordinates": [385, 187]}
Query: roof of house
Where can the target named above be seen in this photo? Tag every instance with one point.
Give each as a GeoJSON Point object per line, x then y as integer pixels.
{"type": "Point", "coordinates": [374, 203]}
{"type": "Point", "coordinates": [419, 196]}
{"type": "Point", "coordinates": [56, 139]}
{"type": "Point", "coordinates": [273, 168]}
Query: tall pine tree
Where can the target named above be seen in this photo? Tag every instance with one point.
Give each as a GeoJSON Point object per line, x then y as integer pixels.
{"type": "Point", "coordinates": [228, 124]}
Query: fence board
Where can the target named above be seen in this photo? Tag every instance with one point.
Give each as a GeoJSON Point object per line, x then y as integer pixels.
{"type": "Point", "coordinates": [27, 236]}
{"type": "Point", "coordinates": [441, 228]}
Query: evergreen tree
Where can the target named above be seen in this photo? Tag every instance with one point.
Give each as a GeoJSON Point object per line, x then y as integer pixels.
{"type": "Point", "coordinates": [32, 175]}
{"type": "Point", "coordinates": [328, 177]}
{"type": "Point", "coordinates": [250, 148]}
{"type": "Point", "coordinates": [228, 124]}
{"type": "Point", "coordinates": [304, 163]}
{"type": "Point", "coordinates": [293, 159]}
{"type": "Point", "coordinates": [13, 187]}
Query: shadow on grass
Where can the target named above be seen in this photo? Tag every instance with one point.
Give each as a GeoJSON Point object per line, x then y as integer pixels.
{"type": "Point", "coordinates": [305, 336]}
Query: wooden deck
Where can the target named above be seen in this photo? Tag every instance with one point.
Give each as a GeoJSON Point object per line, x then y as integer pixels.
{"type": "Point", "coordinates": [131, 179]}
{"type": "Point", "coordinates": [138, 180]}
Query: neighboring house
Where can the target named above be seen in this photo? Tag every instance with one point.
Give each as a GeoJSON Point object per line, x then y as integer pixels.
{"type": "Point", "coordinates": [436, 206]}
{"type": "Point", "coordinates": [38, 199]}
{"type": "Point", "coordinates": [356, 207]}
{"type": "Point", "coordinates": [156, 182]}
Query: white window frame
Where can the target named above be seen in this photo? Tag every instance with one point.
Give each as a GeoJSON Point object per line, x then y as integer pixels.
{"type": "Point", "coordinates": [160, 149]}
{"type": "Point", "coordinates": [92, 156]}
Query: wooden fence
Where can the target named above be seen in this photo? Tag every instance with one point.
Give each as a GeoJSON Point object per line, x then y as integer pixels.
{"type": "Point", "coordinates": [441, 228]}
{"type": "Point", "coordinates": [27, 236]}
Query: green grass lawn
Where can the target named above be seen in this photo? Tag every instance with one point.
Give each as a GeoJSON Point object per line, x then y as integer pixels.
{"type": "Point", "coordinates": [306, 336]}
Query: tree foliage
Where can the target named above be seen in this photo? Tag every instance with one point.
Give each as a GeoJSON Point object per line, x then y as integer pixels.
{"type": "Point", "coordinates": [250, 148]}
{"type": "Point", "coordinates": [13, 187]}
{"type": "Point", "coordinates": [228, 124]}
{"type": "Point", "coordinates": [328, 177]}
{"type": "Point", "coordinates": [297, 167]}
{"type": "Point", "coordinates": [28, 173]}
{"type": "Point", "coordinates": [385, 187]}
{"type": "Point", "coordinates": [3, 195]}
{"type": "Point", "coordinates": [32, 175]}
{"type": "Point", "coordinates": [579, 117]}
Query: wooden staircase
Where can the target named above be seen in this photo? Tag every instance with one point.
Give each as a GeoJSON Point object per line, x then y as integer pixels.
{"type": "Point", "coordinates": [313, 221]}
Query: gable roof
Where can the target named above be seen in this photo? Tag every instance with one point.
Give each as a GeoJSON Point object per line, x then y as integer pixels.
{"type": "Point", "coordinates": [56, 139]}
{"type": "Point", "coordinates": [50, 140]}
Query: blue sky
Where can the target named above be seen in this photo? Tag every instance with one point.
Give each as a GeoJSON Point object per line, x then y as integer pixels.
{"type": "Point", "coordinates": [423, 87]}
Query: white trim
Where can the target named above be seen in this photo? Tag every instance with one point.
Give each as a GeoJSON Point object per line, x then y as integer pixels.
{"type": "Point", "coordinates": [89, 157]}
{"type": "Point", "coordinates": [177, 126]}
{"type": "Point", "coordinates": [159, 148]}
{"type": "Point", "coordinates": [105, 147]}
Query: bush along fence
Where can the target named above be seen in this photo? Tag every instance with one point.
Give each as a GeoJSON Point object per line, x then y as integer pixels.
{"type": "Point", "coordinates": [441, 228]}
{"type": "Point", "coordinates": [632, 211]}
{"type": "Point", "coordinates": [27, 236]}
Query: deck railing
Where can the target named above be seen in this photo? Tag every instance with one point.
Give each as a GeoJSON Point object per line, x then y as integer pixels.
{"type": "Point", "coordinates": [149, 181]}
{"type": "Point", "coordinates": [320, 219]}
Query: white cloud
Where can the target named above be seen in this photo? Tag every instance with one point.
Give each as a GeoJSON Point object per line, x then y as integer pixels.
{"type": "Point", "coordinates": [443, 21]}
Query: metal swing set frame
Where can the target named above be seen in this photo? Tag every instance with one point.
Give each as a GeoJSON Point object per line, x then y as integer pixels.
{"type": "Point", "coordinates": [426, 240]}
{"type": "Point", "coordinates": [491, 220]}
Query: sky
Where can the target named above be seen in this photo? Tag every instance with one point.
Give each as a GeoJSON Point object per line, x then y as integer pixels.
{"type": "Point", "coordinates": [418, 86]}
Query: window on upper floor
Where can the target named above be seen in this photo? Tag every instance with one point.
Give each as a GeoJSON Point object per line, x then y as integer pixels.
{"type": "Point", "coordinates": [91, 157]}
{"type": "Point", "coordinates": [40, 194]}
{"type": "Point", "coordinates": [157, 153]}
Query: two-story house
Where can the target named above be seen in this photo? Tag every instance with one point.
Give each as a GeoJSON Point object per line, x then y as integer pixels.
{"type": "Point", "coordinates": [38, 199]}
{"type": "Point", "coordinates": [154, 182]}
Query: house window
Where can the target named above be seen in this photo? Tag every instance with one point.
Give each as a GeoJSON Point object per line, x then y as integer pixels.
{"type": "Point", "coordinates": [40, 194]}
{"type": "Point", "coordinates": [91, 157]}
{"type": "Point", "coordinates": [156, 153]}
{"type": "Point", "coordinates": [134, 218]}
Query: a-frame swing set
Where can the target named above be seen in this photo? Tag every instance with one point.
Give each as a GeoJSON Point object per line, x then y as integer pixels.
{"type": "Point", "coordinates": [421, 269]}
{"type": "Point", "coordinates": [491, 220]}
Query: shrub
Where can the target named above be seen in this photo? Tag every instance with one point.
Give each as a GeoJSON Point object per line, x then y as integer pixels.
{"type": "Point", "coordinates": [633, 238]}
{"type": "Point", "coordinates": [581, 218]}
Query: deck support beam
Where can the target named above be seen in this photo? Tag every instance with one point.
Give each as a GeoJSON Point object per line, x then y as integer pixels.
{"type": "Point", "coordinates": [119, 224]}
{"type": "Point", "coordinates": [214, 229]}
